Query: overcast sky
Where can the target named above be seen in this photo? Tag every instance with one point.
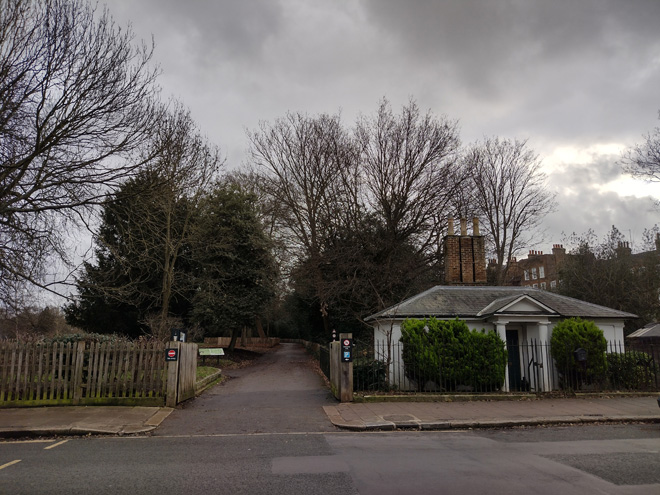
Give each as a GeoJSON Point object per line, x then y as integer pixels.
{"type": "Point", "coordinates": [580, 79]}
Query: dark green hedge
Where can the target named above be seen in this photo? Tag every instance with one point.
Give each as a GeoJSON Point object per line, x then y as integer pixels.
{"type": "Point", "coordinates": [452, 356]}
{"type": "Point", "coordinates": [632, 370]}
{"type": "Point", "coordinates": [572, 334]}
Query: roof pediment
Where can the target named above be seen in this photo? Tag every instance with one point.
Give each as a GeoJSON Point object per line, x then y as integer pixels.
{"type": "Point", "coordinates": [519, 304]}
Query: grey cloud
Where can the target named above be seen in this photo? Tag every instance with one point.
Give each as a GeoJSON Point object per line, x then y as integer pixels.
{"type": "Point", "coordinates": [546, 59]}
{"type": "Point", "coordinates": [236, 29]}
{"type": "Point", "coordinates": [581, 206]}
{"type": "Point", "coordinates": [602, 170]}
{"type": "Point", "coordinates": [599, 212]}
{"type": "Point", "coordinates": [562, 73]}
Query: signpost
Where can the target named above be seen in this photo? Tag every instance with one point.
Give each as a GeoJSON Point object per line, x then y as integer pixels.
{"type": "Point", "coordinates": [212, 352]}
{"type": "Point", "coordinates": [171, 354]}
{"type": "Point", "coordinates": [346, 350]}
{"type": "Point", "coordinates": [346, 367]}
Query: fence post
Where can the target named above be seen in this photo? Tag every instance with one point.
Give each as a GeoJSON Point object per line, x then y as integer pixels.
{"type": "Point", "coordinates": [172, 376]}
{"type": "Point", "coordinates": [77, 370]}
{"type": "Point", "coordinates": [346, 373]}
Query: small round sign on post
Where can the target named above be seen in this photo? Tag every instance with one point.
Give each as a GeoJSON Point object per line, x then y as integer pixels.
{"type": "Point", "coordinates": [171, 354]}
{"type": "Point", "coordinates": [346, 350]}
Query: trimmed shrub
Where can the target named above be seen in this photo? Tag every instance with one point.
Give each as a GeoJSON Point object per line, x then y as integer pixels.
{"type": "Point", "coordinates": [572, 334]}
{"type": "Point", "coordinates": [369, 375]}
{"type": "Point", "coordinates": [452, 356]}
{"type": "Point", "coordinates": [632, 370]}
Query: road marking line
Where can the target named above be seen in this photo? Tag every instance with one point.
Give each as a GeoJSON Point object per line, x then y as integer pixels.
{"type": "Point", "coordinates": [55, 445]}
{"type": "Point", "coordinates": [10, 463]}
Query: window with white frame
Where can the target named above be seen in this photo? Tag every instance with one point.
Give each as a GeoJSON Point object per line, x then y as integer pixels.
{"type": "Point", "coordinates": [526, 272]}
{"type": "Point", "coordinates": [541, 272]}
{"type": "Point", "coordinates": [553, 284]}
{"type": "Point", "coordinates": [543, 285]}
{"type": "Point", "coordinates": [534, 273]}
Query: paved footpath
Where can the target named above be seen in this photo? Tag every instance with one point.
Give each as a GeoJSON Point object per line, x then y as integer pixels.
{"type": "Point", "coordinates": [500, 413]}
{"type": "Point", "coordinates": [80, 420]}
{"type": "Point", "coordinates": [281, 392]}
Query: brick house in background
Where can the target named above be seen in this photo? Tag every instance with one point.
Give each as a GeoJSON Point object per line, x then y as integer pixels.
{"type": "Point", "coordinates": [538, 270]}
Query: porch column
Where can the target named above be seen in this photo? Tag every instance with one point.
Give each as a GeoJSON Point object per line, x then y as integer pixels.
{"type": "Point", "coordinates": [545, 355]}
{"type": "Point", "coordinates": [501, 330]}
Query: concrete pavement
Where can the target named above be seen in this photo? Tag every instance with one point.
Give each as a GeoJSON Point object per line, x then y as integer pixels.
{"type": "Point", "coordinates": [56, 421]}
{"type": "Point", "coordinates": [95, 420]}
{"type": "Point", "coordinates": [491, 414]}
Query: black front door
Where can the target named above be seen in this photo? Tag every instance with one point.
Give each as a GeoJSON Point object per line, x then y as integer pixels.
{"type": "Point", "coordinates": [515, 375]}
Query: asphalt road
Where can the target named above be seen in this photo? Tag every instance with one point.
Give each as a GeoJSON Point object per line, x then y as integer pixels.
{"type": "Point", "coordinates": [567, 461]}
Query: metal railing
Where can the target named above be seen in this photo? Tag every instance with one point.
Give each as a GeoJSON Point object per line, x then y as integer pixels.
{"type": "Point", "coordinates": [324, 360]}
{"type": "Point", "coordinates": [530, 367]}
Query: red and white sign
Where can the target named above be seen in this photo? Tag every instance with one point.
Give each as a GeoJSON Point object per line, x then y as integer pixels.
{"type": "Point", "coordinates": [171, 353]}
{"type": "Point", "coordinates": [347, 342]}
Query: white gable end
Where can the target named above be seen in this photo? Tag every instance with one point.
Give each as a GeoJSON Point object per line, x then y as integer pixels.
{"type": "Point", "coordinates": [526, 305]}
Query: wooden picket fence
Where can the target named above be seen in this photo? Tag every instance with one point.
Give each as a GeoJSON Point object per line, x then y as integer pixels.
{"type": "Point", "coordinates": [82, 373]}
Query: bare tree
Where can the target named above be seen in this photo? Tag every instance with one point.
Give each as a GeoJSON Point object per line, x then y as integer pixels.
{"type": "Point", "coordinates": [300, 161]}
{"type": "Point", "coordinates": [361, 213]}
{"type": "Point", "coordinates": [77, 99]}
{"type": "Point", "coordinates": [408, 165]}
{"type": "Point", "coordinates": [509, 192]}
{"type": "Point", "coordinates": [643, 160]}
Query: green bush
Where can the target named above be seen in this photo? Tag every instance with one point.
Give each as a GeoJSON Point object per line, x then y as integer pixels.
{"type": "Point", "coordinates": [631, 371]}
{"type": "Point", "coordinates": [451, 355]}
{"type": "Point", "coordinates": [369, 374]}
{"type": "Point", "coordinates": [572, 334]}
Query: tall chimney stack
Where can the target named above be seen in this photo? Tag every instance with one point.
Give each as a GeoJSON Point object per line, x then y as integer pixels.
{"type": "Point", "coordinates": [464, 255]}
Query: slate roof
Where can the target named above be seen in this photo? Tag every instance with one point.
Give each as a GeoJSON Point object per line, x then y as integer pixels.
{"type": "Point", "coordinates": [483, 301]}
{"type": "Point", "coordinates": [650, 330]}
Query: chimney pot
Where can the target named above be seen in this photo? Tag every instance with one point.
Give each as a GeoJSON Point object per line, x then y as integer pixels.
{"type": "Point", "coordinates": [463, 226]}
{"type": "Point", "coordinates": [475, 226]}
{"type": "Point", "coordinates": [450, 226]}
